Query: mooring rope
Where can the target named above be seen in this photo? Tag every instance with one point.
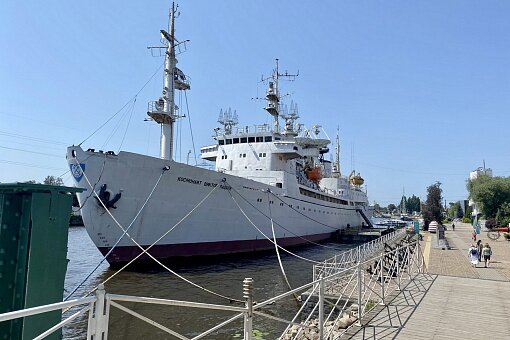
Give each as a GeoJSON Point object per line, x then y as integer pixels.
{"type": "Point", "coordinates": [145, 251]}
{"type": "Point", "coordinates": [267, 237]}
{"type": "Point", "coordinates": [276, 245]}
{"type": "Point", "coordinates": [281, 226]}
{"type": "Point", "coordinates": [93, 188]}
{"type": "Point", "coordinates": [120, 238]}
{"type": "Point", "coordinates": [304, 215]}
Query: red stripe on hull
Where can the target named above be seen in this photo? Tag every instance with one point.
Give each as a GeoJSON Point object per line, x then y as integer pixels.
{"type": "Point", "coordinates": [162, 252]}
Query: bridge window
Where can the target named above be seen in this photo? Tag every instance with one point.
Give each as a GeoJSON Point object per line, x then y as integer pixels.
{"type": "Point", "coordinates": [251, 139]}
{"type": "Point", "coordinates": [221, 142]}
{"type": "Point", "coordinates": [228, 141]}
{"type": "Point", "coordinates": [236, 141]}
{"type": "Point", "coordinates": [260, 139]}
{"type": "Point", "coordinates": [244, 139]}
{"type": "Point", "coordinates": [268, 138]}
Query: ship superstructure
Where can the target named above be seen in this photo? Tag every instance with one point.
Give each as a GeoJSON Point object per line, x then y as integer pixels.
{"type": "Point", "coordinates": [263, 176]}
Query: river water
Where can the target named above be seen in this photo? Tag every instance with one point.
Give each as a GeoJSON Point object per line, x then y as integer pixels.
{"type": "Point", "coordinates": [222, 275]}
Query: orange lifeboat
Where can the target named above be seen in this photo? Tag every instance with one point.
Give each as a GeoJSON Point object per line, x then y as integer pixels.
{"type": "Point", "coordinates": [314, 174]}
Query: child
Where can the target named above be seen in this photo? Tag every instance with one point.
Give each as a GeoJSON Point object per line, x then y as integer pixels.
{"type": "Point", "coordinates": [487, 252]}
{"type": "Point", "coordinates": [473, 255]}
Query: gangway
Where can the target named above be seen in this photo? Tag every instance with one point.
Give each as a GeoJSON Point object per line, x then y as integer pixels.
{"type": "Point", "coordinates": [362, 213]}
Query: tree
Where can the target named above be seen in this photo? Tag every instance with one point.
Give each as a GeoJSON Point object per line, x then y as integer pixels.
{"type": "Point", "coordinates": [455, 211]}
{"type": "Point", "coordinates": [52, 180]}
{"type": "Point", "coordinates": [31, 182]}
{"type": "Point", "coordinates": [413, 204]}
{"type": "Point", "coordinates": [402, 207]}
{"type": "Point", "coordinates": [391, 207]}
{"type": "Point", "coordinates": [490, 193]}
{"type": "Point", "coordinates": [432, 209]}
{"type": "Point", "coordinates": [377, 207]}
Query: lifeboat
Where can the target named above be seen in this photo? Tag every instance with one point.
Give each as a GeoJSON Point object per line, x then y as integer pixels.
{"type": "Point", "coordinates": [357, 180]}
{"type": "Point", "coordinates": [314, 174]}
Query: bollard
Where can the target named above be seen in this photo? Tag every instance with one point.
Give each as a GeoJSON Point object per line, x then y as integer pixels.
{"type": "Point", "coordinates": [248, 315]}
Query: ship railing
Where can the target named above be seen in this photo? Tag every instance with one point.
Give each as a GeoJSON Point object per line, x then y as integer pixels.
{"type": "Point", "coordinates": [354, 255]}
{"type": "Point", "coordinates": [327, 306]}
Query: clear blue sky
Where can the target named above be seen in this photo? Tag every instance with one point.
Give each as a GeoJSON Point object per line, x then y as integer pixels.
{"type": "Point", "coordinates": [419, 89]}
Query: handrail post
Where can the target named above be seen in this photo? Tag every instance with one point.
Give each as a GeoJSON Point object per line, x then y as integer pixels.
{"type": "Point", "coordinates": [360, 291]}
{"type": "Point", "coordinates": [381, 269]}
{"type": "Point", "coordinates": [420, 257]}
{"type": "Point", "coordinates": [321, 308]}
{"type": "Point", "coordinates": [100, 321]}
{"type": "Point", "coordinates": [248, 315]}
{"type": "Point", "coordinates": [397, 252]}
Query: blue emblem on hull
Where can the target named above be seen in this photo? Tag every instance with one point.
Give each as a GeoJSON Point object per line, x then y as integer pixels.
{"type": "Point", "coordinates": [77, 171]}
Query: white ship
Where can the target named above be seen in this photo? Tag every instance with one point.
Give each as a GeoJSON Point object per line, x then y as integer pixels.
{"type": "Point", "coordinates": [268, 183]}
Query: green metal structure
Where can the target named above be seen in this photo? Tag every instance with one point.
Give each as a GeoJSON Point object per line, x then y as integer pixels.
{"type": "Point", "coordinates": [34, 221]}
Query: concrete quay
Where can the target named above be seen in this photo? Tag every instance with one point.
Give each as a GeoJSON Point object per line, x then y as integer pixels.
{"type": "Point", "coordinates": [452, 300]}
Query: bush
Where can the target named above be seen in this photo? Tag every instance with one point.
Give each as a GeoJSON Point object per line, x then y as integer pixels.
{"type": "Point", "coordinates": [490, 223]}
{"type": "Point", "coordinates": [466, 220]}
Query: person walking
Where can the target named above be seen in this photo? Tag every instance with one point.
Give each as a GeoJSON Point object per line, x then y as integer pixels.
{"type": "Point", "coordinates": [453, 226]}
{"type": "Point", "coordinates": [473, 255]}
{"type": "Point", "coordinates": [479, 247]}
{"type": "Point", "coordinates": [473, 236]}
{"type": "Point", "coordinates": [487, 252]}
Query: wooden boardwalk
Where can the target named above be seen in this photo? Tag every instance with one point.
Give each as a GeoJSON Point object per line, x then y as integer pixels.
{"type": "Point", "coordinates": [452, 301]}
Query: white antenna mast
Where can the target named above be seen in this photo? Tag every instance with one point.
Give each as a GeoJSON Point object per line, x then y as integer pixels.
{"type": "Point", "coordinates": [163, 110]}
{"type": "Point", "coordinates": [273, 94]}
{"type": "Point", "coordinates": [336, 168]}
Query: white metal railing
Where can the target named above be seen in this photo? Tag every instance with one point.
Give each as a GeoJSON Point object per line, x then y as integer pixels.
{"type": "Point", "coordinates": [333, 301]}
{"type": "Point", "coordinates": [88, 302]}
{"type": "Point", "coordinates": [354, 255]}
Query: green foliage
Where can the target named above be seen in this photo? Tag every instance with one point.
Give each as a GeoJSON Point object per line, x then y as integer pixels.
{"type": "Point", "coordinates": [432, 209]}
{"type": "Point", "coordinates": [413, 204]}
{"type": "Point", "coordinates": [466, 220]}
{"type": "Point", "coordinates": [52, 180]}
{"type": "Point", "coordinates": [490, 193]}
{"type": "Point", "coordinates": [503, 215]}
{"type": "Point", "coordinates": [455, 211]}
{"type": "Point", "coordinates": [391, 207]}
{"type": "Point", "coordinates": [257, 335]}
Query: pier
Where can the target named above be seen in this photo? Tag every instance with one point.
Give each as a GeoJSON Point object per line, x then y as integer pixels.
{"type": "Point", "coordinates": [453, 300]}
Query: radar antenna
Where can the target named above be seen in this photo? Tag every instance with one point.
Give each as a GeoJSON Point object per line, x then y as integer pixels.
{"type": "Point", "coordinates": [228, 120]}
{"type": "Point", "coordinates": [290, 118]}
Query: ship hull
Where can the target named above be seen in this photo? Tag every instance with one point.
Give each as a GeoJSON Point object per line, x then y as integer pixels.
{"type": "Point", "coordinates": [184, 211]}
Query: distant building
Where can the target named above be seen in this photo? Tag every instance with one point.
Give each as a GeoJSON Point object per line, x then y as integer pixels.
{"type": "Point", "coordinates": [473, 175]}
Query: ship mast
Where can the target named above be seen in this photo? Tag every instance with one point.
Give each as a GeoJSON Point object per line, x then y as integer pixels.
{"type": "Point", "coordinates": [336, 166]}
{"type": "Point", "coordinates": [163, 110]}
{"type": "Point", "coordinates": [273, 95]}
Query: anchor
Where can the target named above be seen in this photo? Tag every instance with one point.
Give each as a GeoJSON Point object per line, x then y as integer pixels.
{"type": "Point", "coordinates": [104, 196]}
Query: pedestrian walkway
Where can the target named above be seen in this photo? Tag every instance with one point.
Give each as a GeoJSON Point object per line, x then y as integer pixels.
{"type": "Point", "coordinates": [453, 300]}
